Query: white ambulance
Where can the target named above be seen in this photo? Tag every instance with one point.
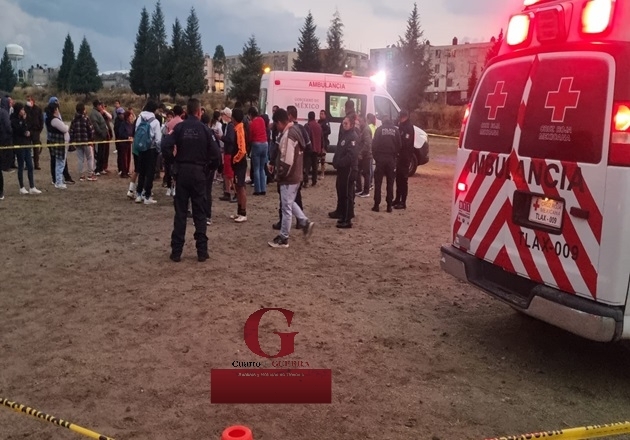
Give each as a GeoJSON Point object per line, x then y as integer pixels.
{"type": "Point", "coordinates": [542, 182]}
{"type": "Point", "coordinates": [322, 91]}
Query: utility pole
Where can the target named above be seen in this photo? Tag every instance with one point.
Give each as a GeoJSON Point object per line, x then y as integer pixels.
{"type": "Point", "coordinates": [448, 55]}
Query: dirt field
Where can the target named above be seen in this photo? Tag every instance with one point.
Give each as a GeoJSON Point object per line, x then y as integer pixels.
{"type": "Point", "coordinates": [101, 329]}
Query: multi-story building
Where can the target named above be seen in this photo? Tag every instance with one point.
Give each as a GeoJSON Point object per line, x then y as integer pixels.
{"type": "Point", "coordinates": [40, 75]}
{"type": "Point", "coordinates": [215, 82]}
{"type": "Point", "coordinates": [452, 66]}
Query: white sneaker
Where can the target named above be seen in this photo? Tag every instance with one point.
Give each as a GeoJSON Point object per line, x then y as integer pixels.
{"type": "Point", "coordinates": [240, 219]}
{"type": "Point", "coordinates": [150, 201]}
{"type": "Point", "coordinates": [61, 186]}
{"type": "Point", "coordinates": [173, 192]}
{"type": "Point", "coordinates": [139, 199]}
{"type": "Point", "coordinates": [34, 190]}
{"type": "Point", "coordinates": [168, 192]}
{"type": "Point", "coordinates": [23, 191]}
{"type": "Point", "coordinates": [131, 194]}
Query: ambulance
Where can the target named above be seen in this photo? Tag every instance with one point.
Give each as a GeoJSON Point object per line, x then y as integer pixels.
{"type": "Point", "coordinates": [541, 192]}
{"type": "Point", "coordinates": [322, 91]}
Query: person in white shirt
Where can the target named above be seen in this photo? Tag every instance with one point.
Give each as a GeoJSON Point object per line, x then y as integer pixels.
{"type": "Point", "coordinates": [147, 159]}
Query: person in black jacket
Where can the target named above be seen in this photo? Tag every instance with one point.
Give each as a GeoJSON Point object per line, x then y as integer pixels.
{"type": "Point", "coordinates": [198, 154]}
{"type": "Point", "coordinates": [407, 136]}
{"type": "Point", "coordinates": [385, 148]}
{"type": "Point", "coordinates": [35, 118]}
{"type": "Point", "coordinates": [346, 162]}
{"type": "Point", "coordinates": [22, 136]}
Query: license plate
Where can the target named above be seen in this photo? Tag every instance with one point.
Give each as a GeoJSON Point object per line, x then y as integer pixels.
{"type": "Point", "coordinates": [546, 211]}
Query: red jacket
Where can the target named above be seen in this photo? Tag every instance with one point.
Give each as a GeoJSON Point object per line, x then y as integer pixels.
{"type": "Point", "coordinates": [316, 136]}
{"type": "Point", "coordinates": [258, 130]}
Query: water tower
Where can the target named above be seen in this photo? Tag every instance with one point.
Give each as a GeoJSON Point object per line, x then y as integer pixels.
{"type": "Point", "coordinates": [16, 54]}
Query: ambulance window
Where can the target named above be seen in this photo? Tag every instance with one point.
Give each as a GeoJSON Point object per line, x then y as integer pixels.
{"type": "Point", "coordinates": [262, 100]}
{"type": "Point", "coordinates": [565, 117]}
{"type": "Point", "coordinates": [494, 112]}
{"type": "Point", "coordinates": [336, 105]}
{"type": "Point", "coordinates": [385, 107]}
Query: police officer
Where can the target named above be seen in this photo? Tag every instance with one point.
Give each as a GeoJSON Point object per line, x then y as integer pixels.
{"type": "Point", "coordinates": [198, 155]}
{"type": "Point", "coordinates": [346, 162]}
{"type": "Point", "coordinates": [407, 135]}
{"type": "Point", "coordinates": [385, 149]}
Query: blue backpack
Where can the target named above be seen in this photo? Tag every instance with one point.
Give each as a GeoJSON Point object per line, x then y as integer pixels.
{"type": "Point", "coordinates": [142, 140]}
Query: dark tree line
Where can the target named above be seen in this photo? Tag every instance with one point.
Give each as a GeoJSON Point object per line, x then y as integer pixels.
{"type": "Point", "coordinates": [78, 74]}
{"type": "Point", "coordinates": [161, 68]}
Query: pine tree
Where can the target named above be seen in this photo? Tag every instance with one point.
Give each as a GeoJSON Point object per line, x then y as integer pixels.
{"type": "Point", "coordinates": [218, 62]}
{"type": "Point", "coordinates": [494, 50]}
{"type": "Point", "coordinates": [155, 54]}
{"type": "Point", "coordinates": [67, 61]}
{"type": "Point", "coordinates": [308, 59]}
{"type": "Point", "coordinates": [137, 74]}
{"type": "Point", "coordinates": [412, 73]}
{"type": "Point", "coordinates": [335, 56]}
{"type": "Point", "coordinates": [84, 76]}
{"type": "Point", "coordinates": [189, 76]}
{"type": "Point", "coordinates": [172, 55]}
{"type": "Point", "coordinates": [8, 80]}
{"type": "Point", "coordinates": [472, 82]}
{"type": "Point", "coordinates": [246, 79]}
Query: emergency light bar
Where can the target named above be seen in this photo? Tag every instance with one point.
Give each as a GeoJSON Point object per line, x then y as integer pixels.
{"type": "Point", "coordinates": [519, 30]}
{"type": "Point", "coordinates": [596, 16]}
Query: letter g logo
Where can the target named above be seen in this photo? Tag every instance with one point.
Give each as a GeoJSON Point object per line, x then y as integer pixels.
{"type": "Point", "coordinates": [287, 340]}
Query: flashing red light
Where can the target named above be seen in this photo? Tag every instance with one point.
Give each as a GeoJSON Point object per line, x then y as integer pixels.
{"type": "Point", "coordinates": [596, 16]}
{"type": "Point", "coordinates": [619, 152]}
{"type": "Point", "coordinates": [347, 74]}
{"type": "Point", "coordinates": [518, 30]}
{"type": "Point", "coordinates": [461, 187]}
{"type": "Point", "coordinates": [277, 82]}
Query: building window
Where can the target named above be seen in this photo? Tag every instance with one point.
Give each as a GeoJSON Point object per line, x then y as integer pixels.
{"type": "Point", "coordinates": [436, 69]}
{"type": "Point", "coordinates": [438, 54]}
{"type": "Point", "coordinates": [436, 82]}
{"type": "Point", "coordinates": [449, 82]}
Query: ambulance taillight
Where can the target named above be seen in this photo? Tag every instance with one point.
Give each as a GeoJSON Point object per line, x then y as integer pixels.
{"type": "Point", "coordinates": [462, 187]}
{"type": "Point", "coordinates": [619, 153]}
{"type": "Point", "coordinates": [464, 122]}
{"type": "Point", "coordinates": [519, 30]}
{"type": "Point", "coordinates": [597, 16]}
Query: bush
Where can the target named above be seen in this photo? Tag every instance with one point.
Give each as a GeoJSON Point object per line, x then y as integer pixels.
{"type": "Point", "coordinates": [439, 118]}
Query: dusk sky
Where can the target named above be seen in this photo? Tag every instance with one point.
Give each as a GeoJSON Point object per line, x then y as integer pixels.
{"type": "Point", "coordinates": [40, 26]}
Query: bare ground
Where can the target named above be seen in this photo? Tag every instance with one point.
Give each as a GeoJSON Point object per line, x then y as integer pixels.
{"type": "Point", "coordinates": [101, 329]}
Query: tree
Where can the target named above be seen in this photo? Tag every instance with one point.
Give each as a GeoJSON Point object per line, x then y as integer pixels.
{"type": "Point", "coordinates": [84, 76]}
{"type": "Point", "coordinates": [472, 82]}
{"type": "Point", "coordinates": [308, 59]}
{"type": "Point", "coordinates": [8, 80]}
{"type": "Point", "coordinates": [246, 79]}
{"type": "Point", "coordinates": [189, 76]}
{"type": "Point", "coordinates": [171, 60]}
{"type": "Point", "coordinates": [137, 74]}
{"type": "Point", "coordinates": [335, 56]}
{"type": "Point", "coordinates": [67, 61]}
{"type": "Point", "coordinates": [412, 72]}
{"type": "Point", "coordinates": [155, 54]}
{"type": "Point", "coordinates": [494, 50]}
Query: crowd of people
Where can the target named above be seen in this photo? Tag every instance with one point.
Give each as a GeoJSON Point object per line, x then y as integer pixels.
{"type": "Point", "coordinates": [193, 148]}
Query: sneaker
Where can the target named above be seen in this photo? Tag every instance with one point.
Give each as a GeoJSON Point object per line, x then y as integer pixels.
{"type": "Point", "coordinates": [94, 179]}
{"type": "Point", "coordinates": [176, 258]}
{"type": "Point", "coordinates": [279, 242]}
{"type": "Point", "coordinates": [364, 195]}
{"type": "Point", "coordinates": [208, 221]}
{"type": "Point", "coordinates": [97, 173]}
{"type": "Point", "coordinates": [150, 201]}
{"type": "Point", "coordinates": [1, 195]}
{"type": "Point", "coordinates": [375, 208]}
{"type": "Point", "coordinates": [23, 191]}
{"type": "Point", "coordinates": [308, 229]}
{"type": "Point", "coordinates": [202, 257]}
{"type": "Point", "coordinates": [82, 179]}
{"type": "Point", "coordinates": [240, 219]}
{"type": "Point", "coordinates": [168, 192]}
{"type": "Point", "coordinates": [139, 199]}
{"type": "Point", "coordinates": [131, 194]}
{"type": "Point", "coordinates": [400, 206]}
{"type": "Point", "coordinates": [34, 190]}
{"type": "Point", "coordinates": [61, 186]}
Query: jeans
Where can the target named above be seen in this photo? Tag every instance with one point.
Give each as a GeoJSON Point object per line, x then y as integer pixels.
{"type": "Point", "coordinates": [60, 164]}
{"type": "Point", "coordinates": [290, 208]}
{"type": "Point", "coordinates": [25, 155]}
{"type": "Point", "coordinates": [85, 153]}
{"type": "Point", "coordinates": [146, 172]}
{"type": "Point", "coordinates": [260, 152]}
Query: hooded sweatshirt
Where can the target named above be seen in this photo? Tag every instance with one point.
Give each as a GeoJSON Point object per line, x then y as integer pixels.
{"type": "Point", "coordinates": [290, 158]}
{"type": "Point", "coordinates": [156, 129]}
{"type": "Point", "coordinates": [6, 133]}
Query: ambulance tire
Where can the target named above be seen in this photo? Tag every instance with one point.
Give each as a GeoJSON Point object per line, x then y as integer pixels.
{"type": "Point", "coordinates": [413, 166]}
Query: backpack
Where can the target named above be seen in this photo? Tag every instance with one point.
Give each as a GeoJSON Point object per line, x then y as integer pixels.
{"type": "Point", "coordinates": [142, 140]}
{"type": "Point", "coordinates": [307, 139]}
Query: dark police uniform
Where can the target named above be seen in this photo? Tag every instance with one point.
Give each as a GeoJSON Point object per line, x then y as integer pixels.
{"type": "Point", "coordinates": [407, 134]}
{"type": "Point", "coordinates": [386, 146]}
{"type": "Point", "coordinates": [346, 162]}
{"type": "Point", "coordinates": [198, 155]}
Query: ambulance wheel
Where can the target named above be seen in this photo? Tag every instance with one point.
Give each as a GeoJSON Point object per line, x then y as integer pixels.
{"type": "Point", "coordinates": [413, 166]}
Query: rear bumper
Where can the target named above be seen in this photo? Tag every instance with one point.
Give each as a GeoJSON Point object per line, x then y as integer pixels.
{"type": "Point", "coordinates": [585, 318]}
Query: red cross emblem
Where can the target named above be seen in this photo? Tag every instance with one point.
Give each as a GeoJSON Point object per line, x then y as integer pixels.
{"type": "Point", "coordinates": [496, 100]}
{"type": "Point", "coordinates": [536, 206]}
{"type": "Point", "coordinates": [562, 99]}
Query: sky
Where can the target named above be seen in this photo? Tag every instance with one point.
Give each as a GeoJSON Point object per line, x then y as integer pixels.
{"type": "Point", "coordinates": [40, 26]}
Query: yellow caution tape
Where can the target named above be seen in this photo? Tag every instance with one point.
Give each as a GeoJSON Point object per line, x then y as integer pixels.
{"type": "Point", "coordinates": [17, 147]}
{"type": "Point", "coordinates": [584, 432]}
{"type": "Point", "coordinates": [442, 136]}
{"type": "Point", "coordinates": [59, 422]}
